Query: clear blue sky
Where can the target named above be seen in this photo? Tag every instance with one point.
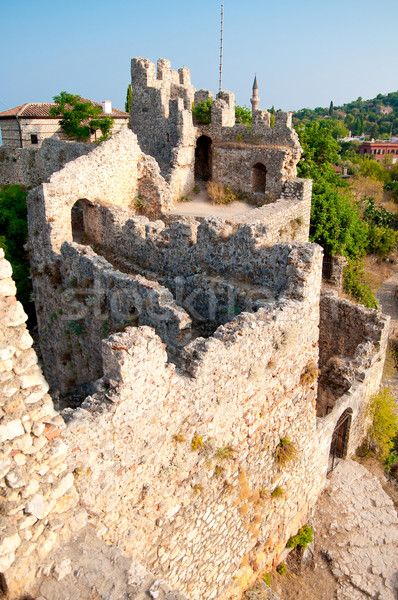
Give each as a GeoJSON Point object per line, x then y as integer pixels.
{"type": "Point", "coordinates": [305, 53]}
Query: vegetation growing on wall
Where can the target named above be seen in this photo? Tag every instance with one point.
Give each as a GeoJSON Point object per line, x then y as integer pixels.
{"type": "Point", "coordinates": [13, 237]}
{"type": "Point", "coordinates": [202, 111]}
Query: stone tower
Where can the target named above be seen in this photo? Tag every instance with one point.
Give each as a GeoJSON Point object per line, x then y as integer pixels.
{"type": "Point", "coordinates": [255, 100]}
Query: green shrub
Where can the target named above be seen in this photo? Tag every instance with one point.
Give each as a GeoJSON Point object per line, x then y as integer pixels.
{"type": "Point", "coordinates": [377, 215]}
{"type": "Point", "coordinates": [355, 284]}
{"type": "Point", "coordinates": [303, 537]}
{"type": "Point", "coordinates": [391, 458]}
{"type": "Point", "coordinates": [202, 111]}
{"type": "Point", "coordinates": [384, 423]}
{"type": "Point", "coordinates": [13, 237]}
{"type": "Point", "coordinates": [392, 186]}
{"type": "Point", "coordinates": [267, 579]}
{"type": "Point", "coordinates": [381, 240]}
{"type": "Point", "coordinates": [225, 452]}
{"type": "Point", "coordinates": [281, 569]}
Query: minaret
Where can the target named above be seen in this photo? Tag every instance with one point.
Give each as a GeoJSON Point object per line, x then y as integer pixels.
{"type": "Point", "coordinates": [255, 100]}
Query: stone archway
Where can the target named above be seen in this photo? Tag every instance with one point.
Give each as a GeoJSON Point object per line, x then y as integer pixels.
{"type": "Point", "coordinates": [340, 437]}
{"type": "Point", "coordinates": [259, 178]}
{"type": "Point", "coordinates": [85, 220]}
{"type": "Point", "coordinates": [203, 158]}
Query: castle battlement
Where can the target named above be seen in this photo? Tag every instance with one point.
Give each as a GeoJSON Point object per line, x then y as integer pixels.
{"type": "Point", "coordinates": [180, 354]}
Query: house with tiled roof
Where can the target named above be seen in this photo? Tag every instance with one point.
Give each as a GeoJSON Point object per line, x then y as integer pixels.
{"type": "Point", "coordinates": [27, 125]}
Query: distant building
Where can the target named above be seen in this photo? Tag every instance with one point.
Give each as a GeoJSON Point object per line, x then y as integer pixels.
{"type": "Point", "coordinates": [384, 110]}
{"type": "Point", "coordinates": [27, 125]}
{"type": "Point", "coordinates": [379, 150]}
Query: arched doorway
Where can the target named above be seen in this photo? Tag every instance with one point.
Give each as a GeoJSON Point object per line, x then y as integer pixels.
{"type": "Point", "coordinates": [340, 437]}
{"type": "Point", "coordinates": [259, 177]}
{"type": "Point", "coordinates": [85, 226]}
{"type": "Point", "coordinates": [203, 158]}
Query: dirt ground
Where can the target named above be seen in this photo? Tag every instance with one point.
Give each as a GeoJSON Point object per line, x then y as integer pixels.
{"type": "Point", "coordinates": [200, 206]}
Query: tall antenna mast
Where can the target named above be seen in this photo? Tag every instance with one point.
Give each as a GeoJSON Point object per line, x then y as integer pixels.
{"type": "Point", "coordinates": [221, 45]}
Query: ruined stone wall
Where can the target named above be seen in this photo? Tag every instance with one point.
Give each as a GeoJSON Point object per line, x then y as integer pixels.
{"type": "Point", "coordinates": [189, 479]}
{"type": "Point", "coordinates": [115, 173]}
{"type": "Point", "coordinates": [182, 245]}
{"type": "Point", "coordinates": [352, 341]}
{"type": "Point", "coordinates": [37, 490]}
{"type": "Point", "coordinates": [42, 525]}
{"type": "Point", "coordinates": [31, 166]}
{"type": "Point", "coordinates": [344, 326]}
{"type": "Point", "coordinates": [82, 299]}
{"type": "Point", "coordinates": [233, 165]}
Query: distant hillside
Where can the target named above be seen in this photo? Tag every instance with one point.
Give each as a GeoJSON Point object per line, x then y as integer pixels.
{"type": "Point", "coordinates": [374, 118]}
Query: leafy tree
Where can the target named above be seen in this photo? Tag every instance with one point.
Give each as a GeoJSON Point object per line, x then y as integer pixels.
{"type": "Point", "coordinates": [335, 221]}
{"type": "Point", "coordinates": [80, 118]}
{"type": "Point", "coordinates": [243, 115]}
{"type": "Point", "coordinates": [13, 237]}
{"type": "Point", "coordinates": [374, 131]}
{"type": "Point", "coordinates": [129, 98]}
{"type": "Point", "coordinates": [381, 240]}
{"type": "Point", "coordinates": [320, 149]}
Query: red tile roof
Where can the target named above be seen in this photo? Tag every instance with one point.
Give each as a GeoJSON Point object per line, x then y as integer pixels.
{"type": "Point", "coordinates": [42, 110]}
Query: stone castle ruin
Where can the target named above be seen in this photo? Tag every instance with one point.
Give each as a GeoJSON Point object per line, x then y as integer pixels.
{"type": "Point", "coordinates": [179, 352]}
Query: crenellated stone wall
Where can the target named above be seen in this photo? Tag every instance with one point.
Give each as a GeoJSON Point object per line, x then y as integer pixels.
{"type": "Point", "coordinates": [190, 479]}
{"type": "Point", "coordinates": [161, 116]}
{"type": "Point", "coordinates": [180, 351]}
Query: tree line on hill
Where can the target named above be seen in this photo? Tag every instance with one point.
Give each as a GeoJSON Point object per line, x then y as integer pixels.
{"type": "Point", "coordinates": [361, 117]}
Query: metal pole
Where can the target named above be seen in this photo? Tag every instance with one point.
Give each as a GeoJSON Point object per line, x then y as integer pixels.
{"type": "Point", "coordinates": [221, 45]}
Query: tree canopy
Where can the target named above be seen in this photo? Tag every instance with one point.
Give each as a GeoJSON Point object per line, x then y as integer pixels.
{"type": "Point", "coordinates": [80, 118]}
{"type": "Point", "coordinates": [13, 237]}
{"type": "Point", "coordinates": [361, 117]}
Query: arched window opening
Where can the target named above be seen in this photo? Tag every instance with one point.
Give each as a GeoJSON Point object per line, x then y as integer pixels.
{"type": "Point", "coordinates": [84, 219]}
{"type": "Point", "coordinates": [259, 177]}
{"type": "Point", "coordinates": [203, 158]}
{"type": "Point", "coordinates": [340, 437]}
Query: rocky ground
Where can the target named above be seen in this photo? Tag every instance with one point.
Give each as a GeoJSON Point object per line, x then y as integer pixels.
{"type": "Point", "coordinates": [355, 552]}
{"type": "Point", "coordinates": [87, 569]}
